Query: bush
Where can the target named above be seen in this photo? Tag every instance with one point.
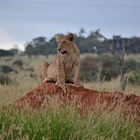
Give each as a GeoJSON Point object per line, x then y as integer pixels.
{"type": "Point", "coordinates": [6, 69]}
{"type": "Point", "coordinates": [18, 63]}
{"type": "Point", "coordinates": [89, 68]}
{"type": "Point", "coordinates": [5, 80]}
{"type": "Point", "coordinates": [132, 65]}
{"type": "Point", "coordinates": [101, 68]}
{"type": "Point", "coordinates": [104, 67]}
{"type": "Point", "coordinates": [135, 78]}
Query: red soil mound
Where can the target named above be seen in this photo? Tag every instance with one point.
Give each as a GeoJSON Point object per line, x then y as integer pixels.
{"type": "Point", "coordinates": [86, 98]}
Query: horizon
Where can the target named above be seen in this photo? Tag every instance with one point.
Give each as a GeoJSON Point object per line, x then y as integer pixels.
{"type": "Point", "coordinates": [21, 46]}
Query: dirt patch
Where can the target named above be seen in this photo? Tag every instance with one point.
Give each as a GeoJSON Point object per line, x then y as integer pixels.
{"type": "Point", "coordinates": [85, 98]}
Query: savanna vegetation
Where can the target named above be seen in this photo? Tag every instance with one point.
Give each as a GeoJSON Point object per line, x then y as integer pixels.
{"type": "Point", "coordinates": [20, 73]}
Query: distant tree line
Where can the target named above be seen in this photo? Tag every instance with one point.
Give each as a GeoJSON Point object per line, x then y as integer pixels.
{"type": "Point", "coordinates": [40, 45]}
{"type": "Point", "coordinates": [90, 43]}
{"type": "Point", "coordinates": [6, 52]}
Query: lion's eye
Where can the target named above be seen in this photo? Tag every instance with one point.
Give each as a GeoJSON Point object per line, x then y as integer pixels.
{"type": "Point", "coordinates": [63, 42]}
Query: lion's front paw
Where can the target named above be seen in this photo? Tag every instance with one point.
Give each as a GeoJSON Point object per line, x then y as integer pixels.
{"type": "Point", "coordinates": [48, 79]}
{"type": "Point", "coordinates": [62, 86]}
{"type": "Point", "coordinates": [45, 80]}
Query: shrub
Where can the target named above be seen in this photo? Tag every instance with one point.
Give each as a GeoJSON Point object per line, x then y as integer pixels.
{"type": "Point", "coordinates": [104, 67]}
{"type": "Point", "coordinates": [5, 80]}
{"type": "Point", "coordinates": [131, 64]}
{"type": "Point", "coordinates": [135, 78]}
{"type": "Point", "coordinates": [6, 69]}
{"type": "Point", "coordinates": [101, 68]}
{"type": "Point", "coordinates": [18, 63]}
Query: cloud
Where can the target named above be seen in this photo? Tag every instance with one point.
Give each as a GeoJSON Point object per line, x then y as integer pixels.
{"type": "Point", "coordinates": [7, 42]}
{"type": "Point", "coordinates": [9, 45]}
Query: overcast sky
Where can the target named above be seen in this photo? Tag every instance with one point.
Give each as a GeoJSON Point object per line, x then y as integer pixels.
{"type": "Point", "coordinates": [22, 20]}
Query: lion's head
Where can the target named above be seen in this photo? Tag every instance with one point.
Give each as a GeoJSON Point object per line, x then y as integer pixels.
{"type": "Point", "coordinates": [65, 43]}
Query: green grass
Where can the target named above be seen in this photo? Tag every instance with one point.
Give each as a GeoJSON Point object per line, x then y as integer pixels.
{"type": "Point", "coordinates": [65, 123]}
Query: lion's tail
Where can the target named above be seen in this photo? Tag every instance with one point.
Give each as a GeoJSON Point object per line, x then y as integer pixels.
{"type": "Point", "coordinates": [44, 68]}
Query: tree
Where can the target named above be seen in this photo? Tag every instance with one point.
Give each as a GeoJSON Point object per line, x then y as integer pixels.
{"type": "Point", "coordinates": [6, 53]}
{"type": "Point", "coordinates": [38, 46]}
{"type": "Point", "coordinates": [82, 32]}
{"type": "Point", "coordinates": [15, 50]}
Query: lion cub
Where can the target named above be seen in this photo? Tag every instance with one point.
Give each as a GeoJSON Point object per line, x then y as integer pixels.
{"type": "Point", "coordinates": [66, 65]}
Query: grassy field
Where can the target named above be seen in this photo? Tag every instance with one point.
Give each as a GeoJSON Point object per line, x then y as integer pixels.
{"type": "Point", "coordinates": [56, 122]}
{"type": "Point", "coordinates": [65, 123]}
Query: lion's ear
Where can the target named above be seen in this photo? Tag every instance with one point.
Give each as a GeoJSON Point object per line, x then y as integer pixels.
{"type": "Point", "coordinates": [70, 37]}
{"type": "Point", "coordinates": [59, 37]}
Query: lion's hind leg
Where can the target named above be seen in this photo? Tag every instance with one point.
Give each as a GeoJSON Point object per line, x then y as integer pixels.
{"type": "Point", "coordinates": [44, 68]}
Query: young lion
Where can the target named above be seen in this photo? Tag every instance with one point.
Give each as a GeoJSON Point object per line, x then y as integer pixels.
{"type": "Point", "coordinates": [66, 66]}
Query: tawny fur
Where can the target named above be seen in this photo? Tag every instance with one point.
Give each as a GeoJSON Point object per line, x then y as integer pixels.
{"type": "Point", "coordinates": [66, 64]}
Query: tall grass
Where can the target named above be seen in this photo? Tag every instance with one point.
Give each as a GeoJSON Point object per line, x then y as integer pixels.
{"type": "Point", "coordinates": [112, 86]}
{"type": "Point", "coordinates": [65, 123]}
{"type": "Point", "coordinates": [59, 123]}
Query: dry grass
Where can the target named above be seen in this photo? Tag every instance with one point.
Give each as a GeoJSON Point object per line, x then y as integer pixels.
{"type": "Point", "coordinates": [113, 85]}
{"type": "Point", "coordinates": [24, 83]}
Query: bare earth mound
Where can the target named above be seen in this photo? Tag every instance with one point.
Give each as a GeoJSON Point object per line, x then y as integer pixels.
{"type": "Point", "coordinates": [85, 98]}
